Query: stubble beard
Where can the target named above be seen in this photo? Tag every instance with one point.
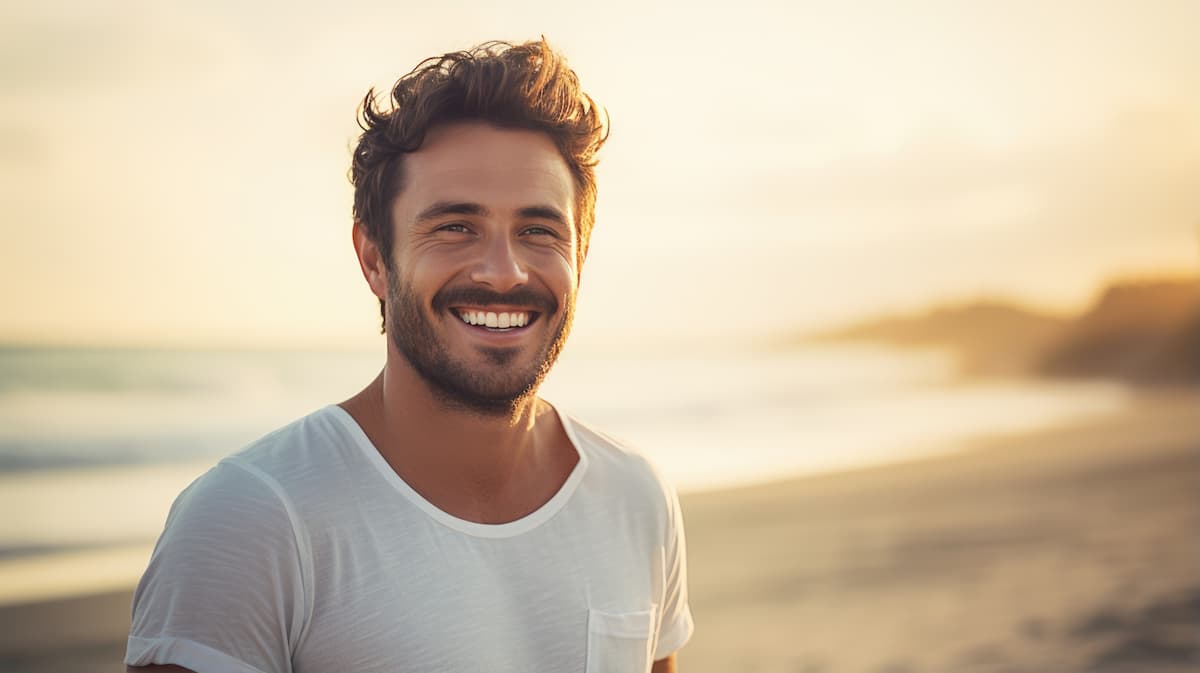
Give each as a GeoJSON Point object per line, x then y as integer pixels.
{"type": "Point", "coordinates": [495, 390]}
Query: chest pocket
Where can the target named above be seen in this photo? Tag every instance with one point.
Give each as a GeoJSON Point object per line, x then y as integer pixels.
{"type": "Point", "coordinates": [620, 642]}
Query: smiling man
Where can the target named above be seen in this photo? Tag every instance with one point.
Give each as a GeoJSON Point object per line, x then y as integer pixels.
{"type": "Point", "coordinates": [445, 518]}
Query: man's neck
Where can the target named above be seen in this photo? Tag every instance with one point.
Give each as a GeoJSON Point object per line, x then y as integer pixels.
{"type": "Point", "coordinates": [471, 464]}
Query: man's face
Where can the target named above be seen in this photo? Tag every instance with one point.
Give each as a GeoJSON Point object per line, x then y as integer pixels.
{"type": "Point", "coordinates": [481, 291]}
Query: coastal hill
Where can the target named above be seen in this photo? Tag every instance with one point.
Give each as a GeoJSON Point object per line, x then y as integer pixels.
{"type": "Point", "coordinates": [1142, 331]}
{"type": "Point", "coordinates": [1147, 332]}
{"type": "Point", "coordinates": [988, 337]}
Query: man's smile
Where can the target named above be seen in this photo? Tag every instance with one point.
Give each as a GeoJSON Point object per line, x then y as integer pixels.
{"type": "Point", "coordinates": [498, 320]}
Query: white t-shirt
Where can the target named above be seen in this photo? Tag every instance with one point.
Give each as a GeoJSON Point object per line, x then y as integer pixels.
{"type": "Point", "coordinates": [306, 552]}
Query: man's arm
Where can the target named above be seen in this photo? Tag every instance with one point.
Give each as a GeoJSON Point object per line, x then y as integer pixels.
{"type": "Point", "coordinates": [676, 626]}
{"type": "Point", "coordinates": [664, 665]}
{"type": "Point", "coordinates": [224, 587]}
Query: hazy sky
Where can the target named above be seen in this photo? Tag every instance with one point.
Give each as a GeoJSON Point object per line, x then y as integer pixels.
{"type": "Point", "coordinates": [176, 173]}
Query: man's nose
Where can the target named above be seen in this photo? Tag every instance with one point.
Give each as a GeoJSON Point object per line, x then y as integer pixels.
{"type": "Point", "coordinates": [500, 266]}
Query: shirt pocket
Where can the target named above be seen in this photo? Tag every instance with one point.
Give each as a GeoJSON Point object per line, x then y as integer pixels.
{"type": "Point", "coordinates": [620, 642]}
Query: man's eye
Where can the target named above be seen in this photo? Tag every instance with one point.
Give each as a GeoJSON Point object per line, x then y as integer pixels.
{"type": "Point", "coordinates": [454, 227]}
{"type": "Point", "coordinates": [540, 231]}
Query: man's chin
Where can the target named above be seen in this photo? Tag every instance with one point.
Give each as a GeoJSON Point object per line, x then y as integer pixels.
{"type": "Point", "coordinates": [500, 356]}
{"type": "Point", "coordinates": [488, 387]}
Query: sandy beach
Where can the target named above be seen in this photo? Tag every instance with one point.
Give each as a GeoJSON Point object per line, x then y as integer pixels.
{"type": "Point", "coordinates": [1074, 549]}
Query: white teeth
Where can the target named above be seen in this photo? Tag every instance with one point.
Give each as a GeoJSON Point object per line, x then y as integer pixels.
{"type": "Point", "coordinates": [495, 320]}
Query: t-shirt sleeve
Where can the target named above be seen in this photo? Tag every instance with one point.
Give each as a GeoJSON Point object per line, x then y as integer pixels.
{"type": "Point", "coordinates": [676, 626]}
{"type": "Point", "coordinates": [225, 588]}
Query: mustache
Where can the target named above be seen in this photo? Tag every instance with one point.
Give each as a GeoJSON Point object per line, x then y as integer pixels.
{"type": "Point", "coordinates": [478, 296]}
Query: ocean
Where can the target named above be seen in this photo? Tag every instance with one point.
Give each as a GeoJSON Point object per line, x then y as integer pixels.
{"type": "Point", "coordinates": [96, 443]}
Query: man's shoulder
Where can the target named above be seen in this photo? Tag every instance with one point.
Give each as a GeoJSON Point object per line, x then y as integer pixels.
{"type": "Point", "coordinates": [602, 445]}
{"type": "Point", "coordinates": [613, 459]}
{"type": "Point", "coordinates": [306, 437]}
{"type": "Point", "coordinates": [271, 470]}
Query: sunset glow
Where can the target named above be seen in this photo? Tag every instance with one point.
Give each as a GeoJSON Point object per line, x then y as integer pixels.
{"type": "Point", "coordinates": [177, 175]}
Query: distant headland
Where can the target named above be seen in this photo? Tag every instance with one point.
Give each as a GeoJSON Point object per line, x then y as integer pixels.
{"type": "Point", "coordinates": [1144, 331]}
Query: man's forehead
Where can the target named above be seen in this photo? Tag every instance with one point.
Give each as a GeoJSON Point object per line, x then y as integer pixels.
{"type": "Point", "coordinates": [470, 162]}
{"type": "Point", "coordinates": [476, 148]}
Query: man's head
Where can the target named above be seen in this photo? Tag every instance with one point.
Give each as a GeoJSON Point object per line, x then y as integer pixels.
{"type": "Point", "coordinates": [525, 86]}
{"type": "Point", "coordinates": [474, 199]}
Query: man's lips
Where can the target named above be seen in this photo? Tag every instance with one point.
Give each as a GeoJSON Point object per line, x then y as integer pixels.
{"type": "Point", "coordinates": [492, 311]}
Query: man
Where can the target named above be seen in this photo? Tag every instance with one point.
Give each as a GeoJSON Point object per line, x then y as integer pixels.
{"type": "Point", "coordinates": [445, 518]}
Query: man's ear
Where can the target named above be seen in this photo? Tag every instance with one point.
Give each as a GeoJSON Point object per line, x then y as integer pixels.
{"type": "Point", "coordinates": [370, 261]}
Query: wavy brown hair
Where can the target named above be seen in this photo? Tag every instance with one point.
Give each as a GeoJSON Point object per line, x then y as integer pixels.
{"type": "Point", "coordinates": [524, 86]}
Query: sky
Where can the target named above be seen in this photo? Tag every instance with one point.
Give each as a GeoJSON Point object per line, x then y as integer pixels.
{"type": "Point", "coordinates": [175, 173]}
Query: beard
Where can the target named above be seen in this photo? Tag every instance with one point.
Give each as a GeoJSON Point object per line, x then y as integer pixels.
{"type": "Point", "coordinates": [493, 390]}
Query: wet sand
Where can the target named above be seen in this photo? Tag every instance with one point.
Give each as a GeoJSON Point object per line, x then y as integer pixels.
{"type": "Point", "coordinates": [1076, 549]}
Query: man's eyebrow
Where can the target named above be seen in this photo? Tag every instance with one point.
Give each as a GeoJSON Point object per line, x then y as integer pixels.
{"type": "Point", "coordinates": [451, 208]}
{"type": "Point", "coordinates": [544, 213]}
